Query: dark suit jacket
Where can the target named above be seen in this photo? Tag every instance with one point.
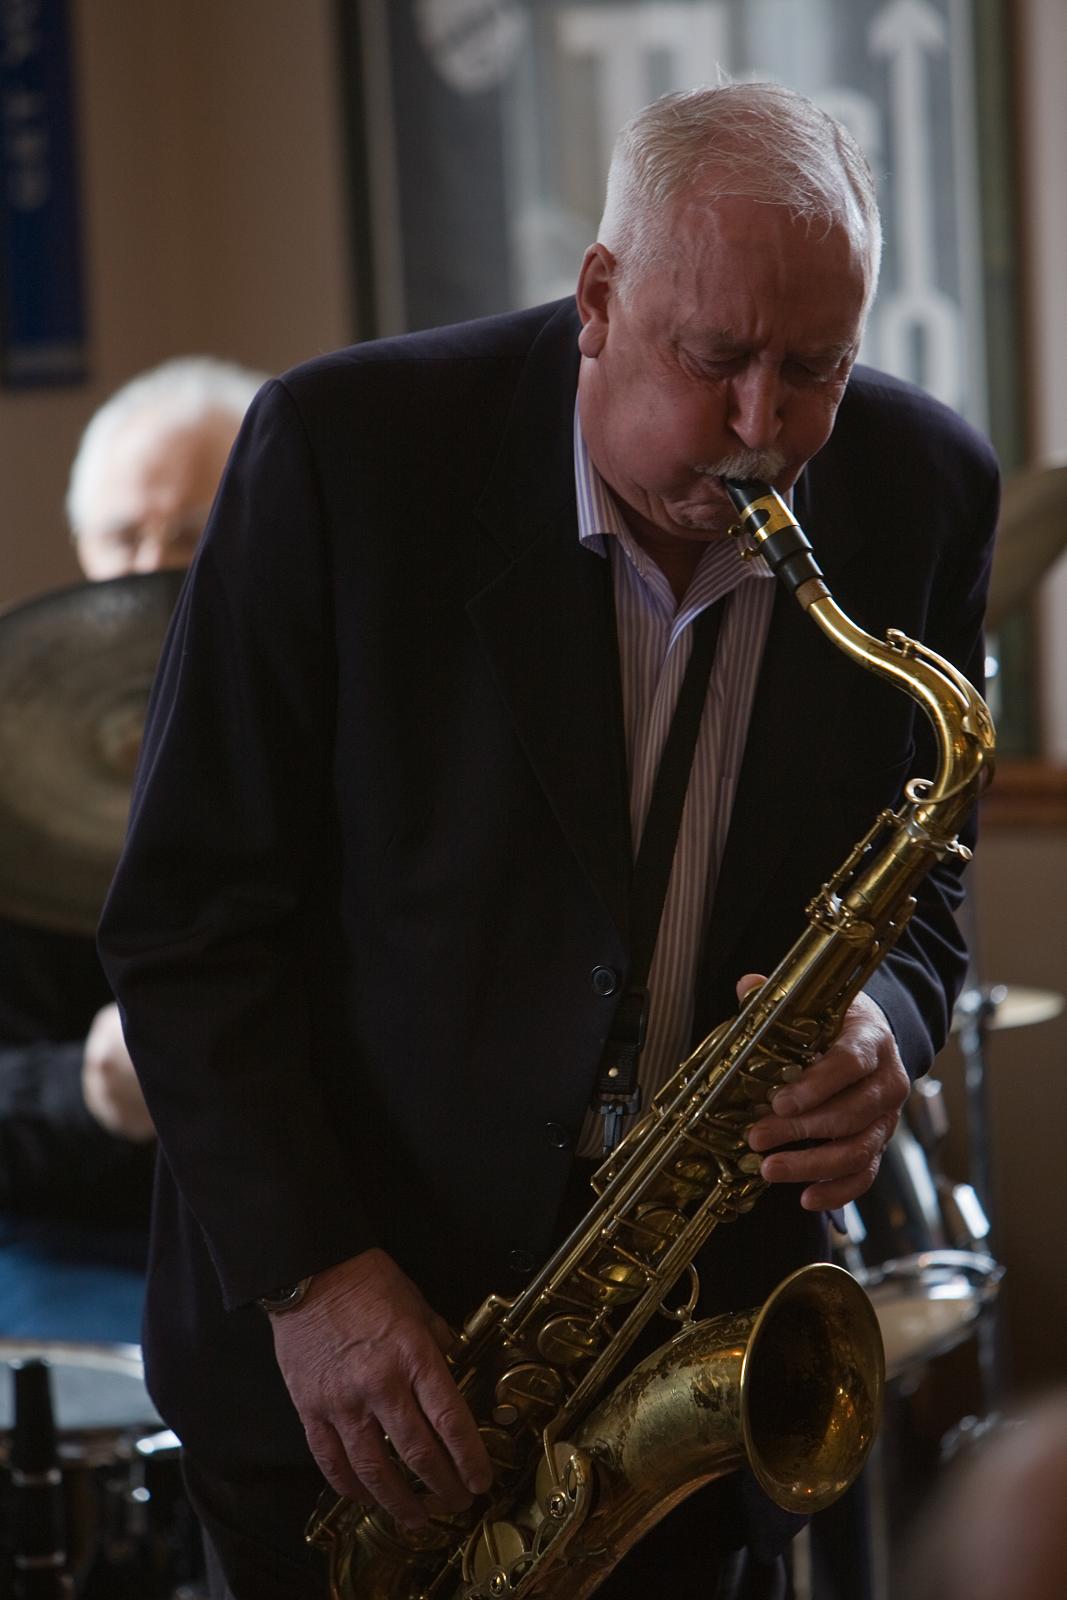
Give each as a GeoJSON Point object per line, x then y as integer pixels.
{"type": "Point", "coordinates": [379, 837]}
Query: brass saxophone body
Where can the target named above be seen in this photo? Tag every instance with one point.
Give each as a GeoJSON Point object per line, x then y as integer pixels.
{"type": "Point", "coordinates": [793, 1388]}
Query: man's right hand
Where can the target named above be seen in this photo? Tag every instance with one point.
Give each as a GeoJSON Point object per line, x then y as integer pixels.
{"type": "Point", "coordinates": [362, 1358]}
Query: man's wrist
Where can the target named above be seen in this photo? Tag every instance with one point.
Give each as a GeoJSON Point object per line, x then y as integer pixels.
{"type": "Point", "coordinates": [278, 1301]}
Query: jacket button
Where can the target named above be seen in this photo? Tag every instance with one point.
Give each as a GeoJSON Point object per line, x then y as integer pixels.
{"type": "Point", "coordinates": [557, 1135]}
{"type": "Point", "coordinates": [521, 1261]}
{"type": "Point", "coordinates": [605, 981]}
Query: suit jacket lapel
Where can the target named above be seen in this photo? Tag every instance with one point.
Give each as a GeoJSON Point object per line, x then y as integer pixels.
{"type": "Point", "coordinates": [547, 621]}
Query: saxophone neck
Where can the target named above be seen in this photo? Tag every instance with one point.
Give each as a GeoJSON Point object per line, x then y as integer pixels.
{"type": "Point", "coordinates": [959, 715]}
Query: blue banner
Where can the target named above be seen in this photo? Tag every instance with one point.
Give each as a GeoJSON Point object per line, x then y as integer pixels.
{"type": "Point", "coordinates": [42, 303]}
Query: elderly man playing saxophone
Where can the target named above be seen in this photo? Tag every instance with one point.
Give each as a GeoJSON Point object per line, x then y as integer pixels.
{"type": "Point", "coordinates": [372, 928]}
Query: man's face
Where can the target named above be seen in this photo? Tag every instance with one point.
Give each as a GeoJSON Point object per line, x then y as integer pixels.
{"type": "Point", "coordinates": [741, 342]}
{"type": "Point", "coordinates": [151, 499]}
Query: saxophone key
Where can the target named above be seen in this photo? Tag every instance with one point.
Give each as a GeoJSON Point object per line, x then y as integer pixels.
{"type": "Point", "coordinates": [562, 1478]}
{"type": "Point", "coordinates": [614, 1281]}
{"type": "Point", "coordinates": [565, 1340]}
{"type": "Point", "coordinates": [687, 1179]}
{"type": "Point", "coordinates": [499, 1547]}
{"type": "Point", "coordinates": [656, 1227]}
{"type": "Point", "coordinates": [528, 1393]}
{"type": "Point", "coordinates": [503, 1451]}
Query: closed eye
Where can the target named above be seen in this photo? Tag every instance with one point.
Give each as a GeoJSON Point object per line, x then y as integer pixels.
{"type": "Point", "coordinates": [720, 366]}
{"type": "Point", "coordinates": [811, 372]}
{"type": "Point", "coordinates": [819, 366]}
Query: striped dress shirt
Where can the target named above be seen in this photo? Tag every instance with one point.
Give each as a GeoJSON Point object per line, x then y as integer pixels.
{"type": "Point", "coordinates": [655, 641]}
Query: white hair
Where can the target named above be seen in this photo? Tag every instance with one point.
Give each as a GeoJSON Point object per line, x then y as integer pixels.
{"type": "Point", "coordinates": [179, 393]}
{"type": "Point", "coordinates": [760, 141]}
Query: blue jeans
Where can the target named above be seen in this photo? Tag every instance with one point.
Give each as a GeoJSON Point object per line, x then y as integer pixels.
{"type": "Point", "coordinates": [70, 1281]}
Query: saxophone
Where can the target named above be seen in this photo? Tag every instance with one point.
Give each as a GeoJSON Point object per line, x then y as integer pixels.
{"type": "Point", "coordinates": [793, 1388]}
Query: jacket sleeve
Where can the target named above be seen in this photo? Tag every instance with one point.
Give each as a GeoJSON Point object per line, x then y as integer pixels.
{"type": "Point", "coordinates": [919, 981]}
{"type": "Point", "coordinates": [55, 1158]}
{"type": "Point", "coordinates": [226, 894]}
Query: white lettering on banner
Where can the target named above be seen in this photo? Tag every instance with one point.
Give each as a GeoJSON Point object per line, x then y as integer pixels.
{"type": "Point", "coordinates": [918, 325]}
{"type": "Point", "coordinates": [472, 43]}
{"type": "Point", "coordinates": [624, 40]}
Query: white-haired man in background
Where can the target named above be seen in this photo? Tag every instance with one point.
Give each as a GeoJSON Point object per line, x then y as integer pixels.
{"type": "Point", "coordinates": [76, 1140]}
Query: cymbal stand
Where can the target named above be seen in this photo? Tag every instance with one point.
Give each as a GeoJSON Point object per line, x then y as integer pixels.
{"type": "Point", "coordinates": [976, 1008]}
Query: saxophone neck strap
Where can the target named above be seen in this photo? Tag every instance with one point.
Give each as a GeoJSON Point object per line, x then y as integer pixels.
{"type": "Point", "coordinates": [617, 1093]}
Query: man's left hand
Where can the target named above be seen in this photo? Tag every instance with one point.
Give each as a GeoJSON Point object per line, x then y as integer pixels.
{"type": "Point", "coordinates": [848, 1101]}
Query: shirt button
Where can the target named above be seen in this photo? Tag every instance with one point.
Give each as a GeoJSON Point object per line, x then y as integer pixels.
{"type": "Point", "coordinates": [557, 1135]}
{"type": "Point", "coordinates": [605, 981]}
{"type": "Point", "coordinates": [521, 1261]}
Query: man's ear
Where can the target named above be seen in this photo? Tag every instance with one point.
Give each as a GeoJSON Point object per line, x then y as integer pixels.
{"type": "Point", "coordinates": [594, 296]}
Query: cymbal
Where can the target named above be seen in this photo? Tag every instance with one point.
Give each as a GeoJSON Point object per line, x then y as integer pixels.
{"type": "Point", "coordinates": [1031, 533]}
{"type": "Point", "coordinates": [76, 666]}
{"type": "Point", "coordinates": [1011, 1006]}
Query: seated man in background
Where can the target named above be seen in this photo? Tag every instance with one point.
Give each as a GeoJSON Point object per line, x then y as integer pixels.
{"type": "Point", "coordinates": [76, 1140]}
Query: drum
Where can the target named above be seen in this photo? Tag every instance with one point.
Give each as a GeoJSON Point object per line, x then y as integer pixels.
{"type": "Point", "coordinates": [929, 1303]}
{"type": "Point", "coordinates": [915, 1243]}
{"type": "Point", "coordinates": [129, 1531]}
{"type": "Point", "coordinates": [918, 1242]}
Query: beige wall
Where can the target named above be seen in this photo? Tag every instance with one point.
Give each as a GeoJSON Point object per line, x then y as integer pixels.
{"type": "Point", "coordinates": [1020, 903]}
{"type": "Point", "coordinates": [1021, 874]}
{"type": "Point", "coordinates": [212, 173]}
{"type": "Point", "coordinates": [1042, 26]}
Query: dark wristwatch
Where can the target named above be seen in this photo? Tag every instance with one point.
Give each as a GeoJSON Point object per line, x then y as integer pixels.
{"type": "Point", "coordinates": [284, 1299]}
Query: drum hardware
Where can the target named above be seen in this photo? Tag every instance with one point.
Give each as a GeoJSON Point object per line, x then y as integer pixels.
{"type": "Point", "coordinates": [38, 1520]}
{"type": "Point", "coordinates": [933, 1310]}
{"type": "Point", "coordinates": [926, 1113]}
{"type": "Point", "coordinates": [980, 1010]}
{"type": "Point", "coordinates": [899, 1216]}
{"type": "Point", "coordinates": [919, 1243]}
{"type": "Point", "coordinates": [929, 1303]}
{"type": "Point", "coordinates": [76, 666]}
{"type": "Point", "coordinates": [1007, 1005]}
{"type": "Point", "coordinates": [966, 1223]}
{"type": "Point", "coordinates": [912, 1228]}
{"type": "Point", "coordinates": [131, 1533]}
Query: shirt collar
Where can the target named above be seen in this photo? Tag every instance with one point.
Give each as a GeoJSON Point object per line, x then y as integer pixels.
{"type": "Point", "coordinates": [722, 566]}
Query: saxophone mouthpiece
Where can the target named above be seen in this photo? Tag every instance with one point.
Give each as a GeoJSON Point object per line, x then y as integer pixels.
{"type": "Point", "coordinates": [776, 535]}
{"type": "Point", "coordinates": [743, 491]}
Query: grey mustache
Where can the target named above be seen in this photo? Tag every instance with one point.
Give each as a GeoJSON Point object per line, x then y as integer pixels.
{"type": "Point", "coordinates": [764, 464]}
